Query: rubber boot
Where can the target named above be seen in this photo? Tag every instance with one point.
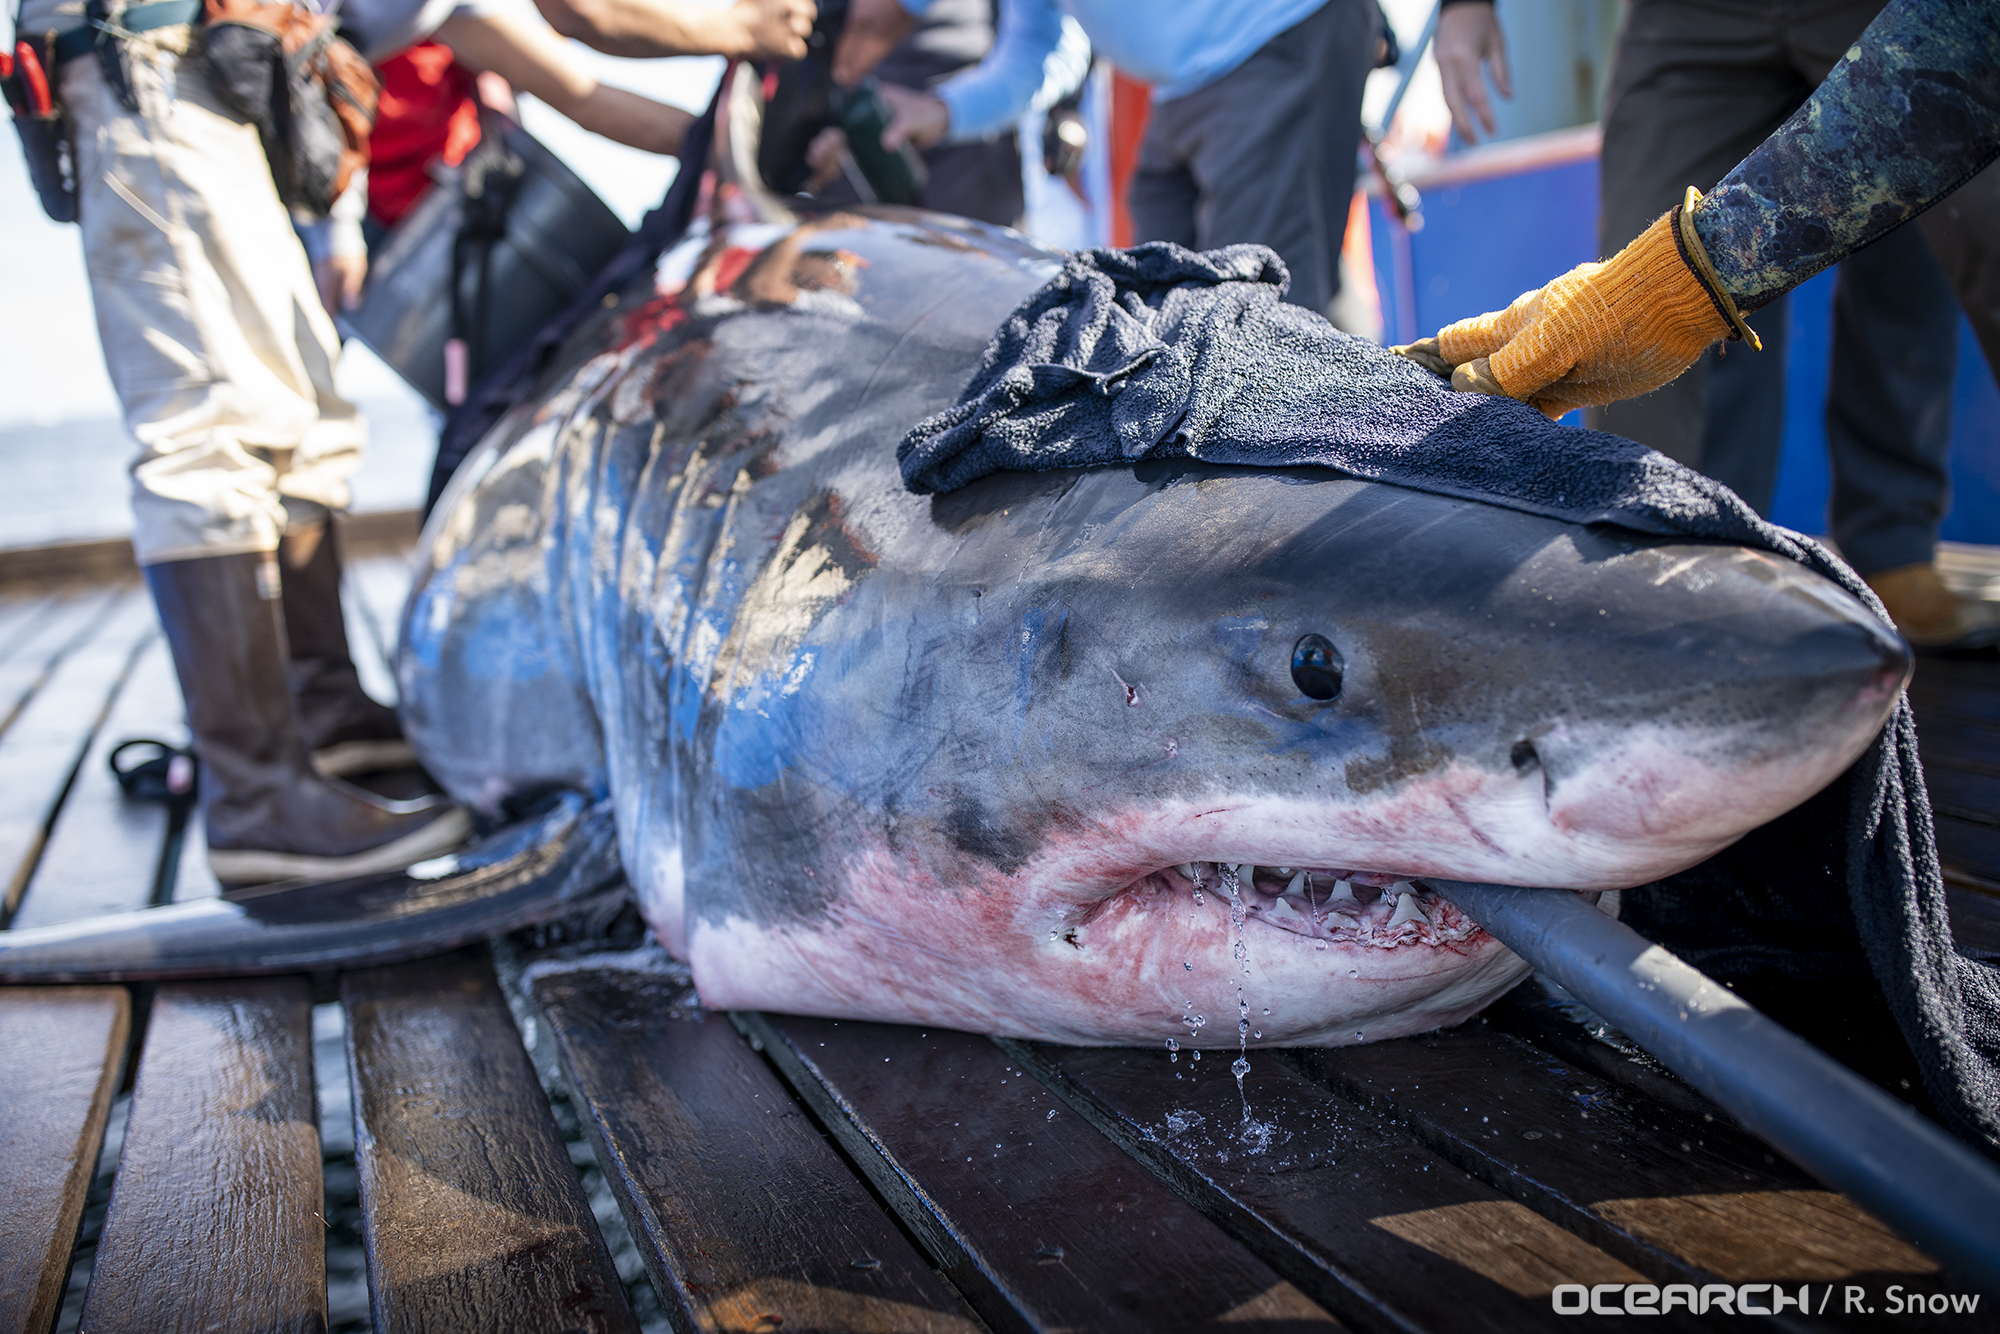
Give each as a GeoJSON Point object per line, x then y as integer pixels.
{"type": "Point", "coordinates": [346, 731]}
{"type": "Point", "coordinates": [1930, 615]}
{"type": "Point", "coordinates": [269, 815]}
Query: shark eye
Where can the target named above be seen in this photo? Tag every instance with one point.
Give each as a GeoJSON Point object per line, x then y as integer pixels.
{"type": "Point", "coordinates": [1316, 667]}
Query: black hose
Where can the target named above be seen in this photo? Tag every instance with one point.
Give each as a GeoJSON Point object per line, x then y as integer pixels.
{"type": "Point", "coordinates": [1850, 1134]}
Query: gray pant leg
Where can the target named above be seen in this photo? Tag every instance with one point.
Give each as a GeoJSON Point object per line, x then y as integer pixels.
{"type": "Point", "coordinates": [1266, 153]}
{"type": "Point", "coordinates": [1163, 195]}
{"type": "Point", "coordinates": [1743, 419]}
{"type": "Point", "coordinates": [977, 180]}
{"type": "Point", "coordinates": [1696, 85]}
{"type": "Point", "coordinates": [1964, 232]}
{"type": "Point", "coordinates": [1888, 416]}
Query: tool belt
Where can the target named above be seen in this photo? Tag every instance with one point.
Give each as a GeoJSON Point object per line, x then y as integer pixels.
{"type": "Point", "coordinates": [311, 95]}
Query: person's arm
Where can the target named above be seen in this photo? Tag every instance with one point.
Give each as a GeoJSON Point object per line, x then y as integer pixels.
{"type": "Point", "coordinates": [534, 60]}
{"type": "Point", "coordinates": [1910, 114]}
{"type": "Point", "coordinates": [748, 29]}
{"type": "Point", "coordinates": [1468, 45]}
{"type": "Point", "coordinates": [992, 94]}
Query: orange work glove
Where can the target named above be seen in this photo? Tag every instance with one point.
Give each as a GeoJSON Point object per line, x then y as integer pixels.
{"type": "Point", "coordinates": [1600, 333]}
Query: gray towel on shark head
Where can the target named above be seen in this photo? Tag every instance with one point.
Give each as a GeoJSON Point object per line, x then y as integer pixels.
{"type": "Point", "coordinates": [1833, 916]}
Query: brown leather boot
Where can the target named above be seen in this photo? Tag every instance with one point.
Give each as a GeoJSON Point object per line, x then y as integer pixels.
{"type": "Point", "coordinates": [1931, 615]}
{"type": "Point", "coordinates": [346, 731]}
{"type": "Point", "coordinates": [269, 815]}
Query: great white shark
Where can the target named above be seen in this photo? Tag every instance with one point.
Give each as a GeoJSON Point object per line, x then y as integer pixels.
{"type": "Point", "coordinates": [1087, 756]}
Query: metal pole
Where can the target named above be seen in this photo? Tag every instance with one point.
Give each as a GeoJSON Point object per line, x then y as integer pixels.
{"type": "Point", "coordinates": [1857, 1139]}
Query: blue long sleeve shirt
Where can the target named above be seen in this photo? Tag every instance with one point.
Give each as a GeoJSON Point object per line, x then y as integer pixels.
{"type": "Point", "coordinates": [1177, 47]}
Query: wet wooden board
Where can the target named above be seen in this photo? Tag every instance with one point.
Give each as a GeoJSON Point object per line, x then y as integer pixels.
{"type": "Point", "coordinates": [1378, 1229]}
{"type": "Point", "coordinates": [1040, 1220]}
{"type": "Point", "coordinates": [470, 1205]}
{"type": "Point", "coordinates": [102, 854]}
{"type": "Point", "coordinates": [215, 1220]}
{"type": "Point", "coordinates": [1681, 1198]}
{"type": "Point", "coordinates": [42, 640]}
{"type": "Point", "coordinates": [42, 750]}
{"type": "Point", "coordinates": [62, 1049]}
{"type": "Point", "coordinates": [376, 586]}
{"type": "Point", "coordinates": [747, 1217]}
{"type": "Point", "coordinates": [1975, 920]}
{"type": "Point", "coordinates": [21, 615]}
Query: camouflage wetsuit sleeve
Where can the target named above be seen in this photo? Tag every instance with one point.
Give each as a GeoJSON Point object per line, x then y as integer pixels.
{"type": "Point", "coordinates": [1909, 114]}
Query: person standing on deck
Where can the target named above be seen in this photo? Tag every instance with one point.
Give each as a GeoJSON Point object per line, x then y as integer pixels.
{"type": "Point", "coordinates": [1255, 121]}
{"type": "Point", "coordinates": [978, 177]}
{"type": "Point", "coordinates": [1697, 84]}
{"type": "Point", "coordinates": [222, 356]}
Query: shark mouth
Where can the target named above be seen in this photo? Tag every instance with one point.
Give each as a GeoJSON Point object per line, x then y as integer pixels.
{"type": "Point", "coordinates": [1337, 906]}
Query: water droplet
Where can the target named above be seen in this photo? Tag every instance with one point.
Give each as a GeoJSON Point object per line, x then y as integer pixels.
{"type": "Point", "coordinates": [1196, 1056]}
{"type": "Point", "coordinates": [1240, 1067]}
{"type": "Point", "coordinates": [1354, 972]}
{"type": "Point", "coordinates": [1189, 965]}
{"type": "Point", "coordinates": [1267, 1009]}
{"type": "Point", "coordinates": [1257, 1033]}
{"type": "Point", "coordinates": [1320, 945]}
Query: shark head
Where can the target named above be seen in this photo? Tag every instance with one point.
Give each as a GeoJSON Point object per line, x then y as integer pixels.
{"type": "Point", "coordinates": [1137, 755]}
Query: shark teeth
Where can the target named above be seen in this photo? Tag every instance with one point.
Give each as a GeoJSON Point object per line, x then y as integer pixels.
{"type": "Point", "coordinates": [1296, 885]}
{"type": "Point", "coordinates": [1407, 910]}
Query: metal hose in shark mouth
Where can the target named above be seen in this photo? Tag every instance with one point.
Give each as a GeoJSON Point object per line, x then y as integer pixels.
{"type": "Point", "coordinates": [1088, 756]}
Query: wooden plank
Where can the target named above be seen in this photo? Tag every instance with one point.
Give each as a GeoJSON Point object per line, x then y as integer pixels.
{"type": "Point", "coordinates": [63, 1049]}
{"type": "Point", "coordinates": [1682, 1199]}
{"type": "Point", "coordinates": [215, 1219]}
{"type": "Point", "coordinates": [41, 752]}
{"type": "Point", "coordinates": [1038, 1219]}
{"type": "Point", "coordinates": [196, 880]}
{"type": "Point", "coordinates": [1972, 797]}
{"type": "Point", "coordinates": [1975, 920]}
{"type": "Point", "coordinates": [747, 1218]}
{"type": "Point", "coordinates": [1966, 689]}
{"type": "Point", "coordinates": [1367, 1222]}
{"type": "Point", "coordinates": [376, 587]}
{"type": "Point", "coordinates": [70, 621]}
{"type": "Point", "coordinates": [1970, 852]}
{"type": "Point", "coordinates": [470, 1206]}
{"type": "Point", "coordinates": [19, 612]}
{"type": "Point", "coordinates": [103, 853]}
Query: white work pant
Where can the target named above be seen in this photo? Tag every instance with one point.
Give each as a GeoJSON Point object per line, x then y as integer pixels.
{"type": "Point", "coordinates": [216, 341]}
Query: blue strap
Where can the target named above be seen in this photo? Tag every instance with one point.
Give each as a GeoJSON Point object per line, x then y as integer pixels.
{"type": "Point", "coordinates": [139, 18]}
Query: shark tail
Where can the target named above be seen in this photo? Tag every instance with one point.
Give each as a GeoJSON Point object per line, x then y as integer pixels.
{"type": "Point", "coordinates": [558, 860]}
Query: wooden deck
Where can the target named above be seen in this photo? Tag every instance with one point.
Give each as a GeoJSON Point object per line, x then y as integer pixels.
{"type": "Point", "coordinates": [580, 1147]}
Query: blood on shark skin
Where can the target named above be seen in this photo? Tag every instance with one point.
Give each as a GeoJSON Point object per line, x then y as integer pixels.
{"type": "Point", "coordinates": [982, 759]}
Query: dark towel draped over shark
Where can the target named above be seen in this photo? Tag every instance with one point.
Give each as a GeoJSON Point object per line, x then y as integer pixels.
{"type": "Point", "coordinates": [1820, 917]}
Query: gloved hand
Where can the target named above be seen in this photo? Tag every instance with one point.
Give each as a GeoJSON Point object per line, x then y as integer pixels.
{"type": "Point", "coordinates": [1600, 333]}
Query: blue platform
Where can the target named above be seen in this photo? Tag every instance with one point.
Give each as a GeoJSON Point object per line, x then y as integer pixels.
{"type": "Point", "coordinates": [1494, 231]}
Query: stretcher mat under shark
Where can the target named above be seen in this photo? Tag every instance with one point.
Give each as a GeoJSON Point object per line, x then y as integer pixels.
{"type": "Point", "coordinates": [774, 1173]}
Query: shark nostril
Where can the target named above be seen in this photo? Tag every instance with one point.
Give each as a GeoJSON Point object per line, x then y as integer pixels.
{"type": "Point", "coordinates": [1523, 757]}
{"type": "Point", "coordinates": [1317, 667]}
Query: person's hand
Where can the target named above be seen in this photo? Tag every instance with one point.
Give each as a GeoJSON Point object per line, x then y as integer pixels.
{"type": "Point", "coordinates": [1600, 333]}
{"type": "Point", "coordinates": [772, 29]}
{"type": "Point", "coordinates": [872, 30]}
{"type": "Point", "coordinates": [823, 157]}
{"type": "Point", "coordinates": [339, 279]}
{"type": "Point", "coordinates": [915, 118]}
{"type": "Point", "coordinates": [1468, 40]}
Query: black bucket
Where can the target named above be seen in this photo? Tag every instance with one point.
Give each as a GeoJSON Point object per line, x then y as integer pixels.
{"type": "Point", "coordinates": [519, 234]}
